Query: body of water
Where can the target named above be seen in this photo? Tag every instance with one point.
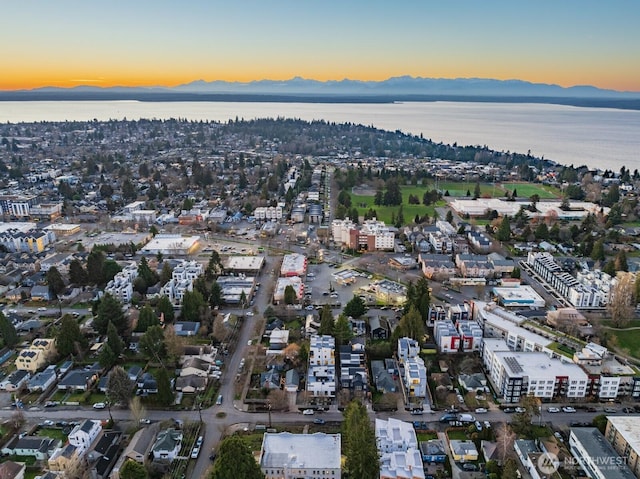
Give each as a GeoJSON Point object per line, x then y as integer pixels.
{"type": "Point", "coordinates": [596, 137]}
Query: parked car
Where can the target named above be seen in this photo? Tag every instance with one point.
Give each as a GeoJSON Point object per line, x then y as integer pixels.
{"type": "Point", "coordinates": [508, 410]}
{"type": "Point", "coordinates": [481, 410]}
{"type": "Point", "coordinates": [308, 412]}
{"type": "Point", "coordinates": [195, 452]}
{"type": "Point", "coordinates": [628, 410]}
{"type": "Point", "coordinates": [199, 441]}
{"type": "Point", "coordinates": [467, 466]}
{"type": "Point", "coordinates": [99, 405]}
{"type": "Point", "coordinates": [219, 400]}
{"type": "Point", "coordinates": [553, 409]}
{"type": "Point", "coordinates": [610, 409]}
{"type": "Point", "coordinates": [145, 421]}
{"type": "Point", "coordinates": [318, 421]}
{"type": "Point", "coordinates": [521, 409]}
{"type": "Point", "coordinates": [568, 409]}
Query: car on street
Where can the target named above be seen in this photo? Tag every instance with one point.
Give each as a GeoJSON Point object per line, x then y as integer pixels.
{"type": "Point", "coordinates": [145, 421]}
{"type": "Point", "coordinates": [308, 412]}
{"type": "Point", "coordinates": [553, 409]}
{"type": "Point", "coordinates": [318, 421]}
{"type": "Point", "coordinates": [99, 405]}
{"type": "Point", "coordinates": [249, 313]}
{"type": "Point", "coordinates": [610, 409]}
{"type": "Point", "coordinates": [195, 452]}
{"type": "Point", "coordinates": [310, 308]}
{"type": "Point", "coordinates": [219, 400]}
{"type": "Point", "coordinates": [51, 404]}
{"type": "Point", "coordinates": [628, 410]}
{"type": "Point", "coordinates": [42, 308]}
{"type": "Point", "coordinates": [521, 409]}
{"type": "Point", "coordinates": [568, 409]}
{"type": "Point", "coordinates": [199, 441]}
{"type": "Point", "coordinates": [481, 410]}
{"type": "Point", "coordinates": [508, 410]}
{"type": "Point", "coordinates": [487, 424]}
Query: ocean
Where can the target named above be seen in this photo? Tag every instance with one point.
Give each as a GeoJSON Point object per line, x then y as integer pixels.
{"type": "Point", "coordinates": [597, 137]}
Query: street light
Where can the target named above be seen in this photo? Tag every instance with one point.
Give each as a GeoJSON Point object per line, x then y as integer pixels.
{"type": "Point", "coordinates": [269, 410]}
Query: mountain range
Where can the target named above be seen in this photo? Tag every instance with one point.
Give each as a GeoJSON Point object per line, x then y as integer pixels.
{"type": "Point", "coordinates": [404, 88]}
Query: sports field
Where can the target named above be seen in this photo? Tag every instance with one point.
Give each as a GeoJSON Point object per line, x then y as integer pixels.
{"type": "Point", "coordinates": [363, 203]}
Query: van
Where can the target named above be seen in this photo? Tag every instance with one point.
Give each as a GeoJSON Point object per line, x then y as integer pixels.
{"type": "Point", "coordinates": [219, 400]}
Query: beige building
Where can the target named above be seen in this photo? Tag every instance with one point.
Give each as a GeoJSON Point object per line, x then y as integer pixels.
{"type": "Point", "coordinates": [36, 356]}
{"type": "Point", "coordinates": [623, 432]}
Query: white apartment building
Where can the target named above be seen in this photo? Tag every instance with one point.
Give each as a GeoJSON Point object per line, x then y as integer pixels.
{"type": "Point", "coordinates": [340, 230]}
{"type": "Point", "coordinates": [447, 336]}
{"type": "Point", "coordinates": [121, 286]}
{"type": "Point", "coordinates": [267, 213]}
{"type": "Point", "coordinates": [311, 456]}
{"type": "Point", "coordinates": [181, 281]}
{"type": "Point", "coordinates": [399, 450]}
{"type": "Point", "coordinates": [407, 348]}
{"type": "Point", "coordinates": [586, 290]}
{"type": "Point", "coordinates": [415, 377]}
{"type": "Point", "coordinates": [470, 335]}
{"type": "Point", "coordinates": [321, 376]}
{"type": "Point", "coordinates": [515, 374]}
{"type": "Point", "coordinates": [440, 242]}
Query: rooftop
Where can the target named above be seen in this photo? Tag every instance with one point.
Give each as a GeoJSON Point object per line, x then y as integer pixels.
{"type": "Point", "coordinates": [309, 451]}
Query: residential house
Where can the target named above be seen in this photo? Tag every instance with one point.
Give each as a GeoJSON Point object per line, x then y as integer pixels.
{"type": "Point", "coordinates": [42, 381]}
{"type": "Point", "coordinates": [12, 470]}
{"type": "Point", "coordinates": [167, 444]}
{"type": "Point", "coordinates": [433, 451]}
{"type": "Point", "coordinates": [473, 382]}
{"type": "Point", "coordinates": [15, 380]}
{"type": "Point", "coordinates": [292, 381]}
{"type": "Point", "coordinates": [378, 327]}
{"type": "Point", "coordinates": [137, 449]}
{"type": "Point", "coordinates": [353, 369]}
{"type": "Point", "coordinates": [382, 378]}
{"type": "Point", "coordinates": [191, 383]}
{"type": "Point", "coordinates": [104, 454]}
{"type": "Point", "coordinates": [146, 385]}
{"type": "Point", "coordinates": [186, 328]}
{"type": "Point", "coordinates": [270, 379]}
{"type": "Point", "coordinates": [83, 435]}
{"type": "Point", "coordinates": [195, 367]}
{"type": "Point", "coordinates": [36, 356]}
{"type": "Point", "coordinates": [40, 293]}
{"type": "Point", "coordinates": [134, 372]}
{"type": "Point", "coordinates": [78, 380]}
{"type": "Point", "coordinates": [39, 447]}
{"type": "Point", "coordinates": [278, 339]}
{"type": "Point", "coordinates": [398, 449]}
{"type": "Point", "coordinates": [463, 451]}
{"type": "Point", "coordinates": [63, 458]}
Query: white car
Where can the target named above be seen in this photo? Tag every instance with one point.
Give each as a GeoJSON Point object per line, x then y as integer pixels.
{"type": "Point", "coordinates": [568, 409]}
{"type": "Point", "coordinates": [521, 409]}
{"type": "Point", "coordinates": [308, 412]}
{"type": "Point", "coordinates": [195, 452]}
{"type": "Point", "coordinates": [481, 410]}
{"type": "Point", "coordinates": [249, 313]}
{"type": "Point", "coordinates": [99, 405]}
{"type": "Point", "coordinates": [553, 409]}
{"type": "Point", "coordinates": [42, 308]}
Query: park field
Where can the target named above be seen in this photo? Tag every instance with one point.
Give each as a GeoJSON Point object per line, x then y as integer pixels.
{"type": "Point", "coordinates": [527, 190]}
{"type": "Point", "coordinates": [364, 202]}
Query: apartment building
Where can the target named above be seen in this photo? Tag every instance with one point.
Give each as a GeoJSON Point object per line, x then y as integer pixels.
{"type": "Point", "coordinates": [321, 376]}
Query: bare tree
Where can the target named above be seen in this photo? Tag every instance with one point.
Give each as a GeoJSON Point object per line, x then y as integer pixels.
{"type": "Point", "coordinates": [621, 304]}
{"type": "Point", "coordinates": [278, 399]}
{"type": "Point", "coordinates": [17, 420]}
{"type": "Point", "coordinates": [138, 411]}
{"type": "Point", "coordinates": [174, 343]}
{"type": "Point", "coordinates": [505, 437]}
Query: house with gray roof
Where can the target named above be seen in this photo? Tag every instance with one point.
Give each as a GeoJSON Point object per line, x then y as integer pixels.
{"type": "Point", "coordinates": [137, 449]}
{"type": "Point", "coordinates": [167, 445]}
{"type": "Point", "coordinates": [43, 380]}
{"type": "Point", "coordinates": [78, 380]}
{"type": "Point", "coordinates": [12, 470]}
{"type": "Point", "coordinates": [83, 435]}
{"type": "Point", "coordinates": [15, 380]}
{"type": "Point", "coordinates": [39, 447]}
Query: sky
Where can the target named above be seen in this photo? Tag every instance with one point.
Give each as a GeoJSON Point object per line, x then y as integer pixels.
{"type": "Point", "coordinates": [105, 43]}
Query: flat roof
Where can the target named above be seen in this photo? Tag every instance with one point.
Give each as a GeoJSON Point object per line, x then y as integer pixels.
{"type": "Point", "coordinates": [522, 294]}
{"type": "Point", "coordinates": [244, 263]}
{"type": "Point", "coordinates": [597, 447]}
{"type": "Point", "coordinates": [300, 451]}
{"type": "Point", "coordinates": [538, 365]}
{"type": "Point", "coordinates": [629, 428]}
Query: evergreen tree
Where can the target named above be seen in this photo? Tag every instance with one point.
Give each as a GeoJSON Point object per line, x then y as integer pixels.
{"type": "Point", "coordinates": [95, 267]}
{"type": "Point", "coordinates": [152, 344]}
{"type": "Point", "coordinates": [412, 325]}
{"type": "Point", "coordinates": [165, 309]}
{"type": "Point", "coordinates": [355, 307]}
{"type": "Point", "coordinates": [342, 330]}
{"type": "Point", "coordinates": [290, 296]}
{"type": "Point", "coordinates": [113, 340]}
{"type": "Point", "coordinates": [166, 273]}
{"type": "Point", "coordinates": [119, 386]}
{"type": "Point", "coordinates": [597, 253]}
{"type": "Point", "coordinates": [69, 339]}
{"type": "Point", "coordinates": [146, 319]}
{"type": "Point", "coordinates": [359, 443]}
{"type": "Point", "coordinates": [8, 332]}
{"type": "Point", "coordinates": [504, 230]}
{"type": "Point", "coordinates": [55, 282]}
{"type": "Point", "coordinates": [215, 295]}
{"type": "Point", "coordinates": [235, 460]}
{"type": "Point", "coordinates": [77, 273]}
{"type": "Point", "coordinates": [326, 320]}
{"type": "Point", "coordinates": [193, 305]}
{"type": "Point", "coordinates": [165, 394]}
{"type": "Point", "coordinates": [476, 191]}
{"type": "Point", "coordinates": [110, 309]}
{"type": "Point", "coordinates": [133, 470]}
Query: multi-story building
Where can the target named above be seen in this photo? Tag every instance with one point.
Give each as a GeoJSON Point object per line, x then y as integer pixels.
{"type": "Point", "coordinates": [470, 335]}
{"type": "Point", "coordinates": [447, 336]}
{"type": "Point", "coordinates": [17, 206]}
{"type": "Point", "coordinates": [293, 264]}
{"type": "Point", "coordinates": [121, 286]}
{"type": "Point", "coordinates": [181, 281]}
{"type": "Point", "coordinates": [407, 348]}
{"type": "Point", "coordinates": [84, 434]}
{"type": "Point", "coordinates": [267, 213]}
{"type": "Point", "coordinates": [36, 356]}
{"type": "Point", "coordinates": [321, 376]}
{"type": "Point", "coordinates": [312, 456]}
{"type": "Point", "coordinates": [440, 242]}
{"type": "Point", "coordinates": [516, 374]}
{"type": "Point", "coordinates": [400, 455]}
{"type": "Point", "coordinates": [353, 367]}
{"type": "Point", "coordinates": [372, 235]}
{"type": "Point", "coordinates": [623, 433]}
{"type": "Point", "coordinates": [588, 290]}
{"type": "Point", "coordinates": [597, 458]}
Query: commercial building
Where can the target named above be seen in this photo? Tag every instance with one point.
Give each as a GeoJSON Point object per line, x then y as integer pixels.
{"type": "Point", "coordinates": [372, 235]}
{"type": "Point", "coordinates": [389, 292]}
{"type": "Point", "coordinates": [244, 264]}
{"type": "Point", "coordinates": [281, 285]}
{"type": "Point", "coordinates": [171, 245]}
{"type": "Point", "coordinates": [312, 456]}
{"type": "Point", "coordinates": [233, 288]}
{"type": "Point", "coordinates": [519, 296]}
{"type": "Point", "coordinates": [293, 264]}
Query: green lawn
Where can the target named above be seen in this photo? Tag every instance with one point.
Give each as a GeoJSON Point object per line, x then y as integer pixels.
{"type": "Point", "coordinates": [363, 203]}
{"type": "Point", "coordinates": [53, 434]}
{"type": "Point", "coordinates": [426, 436]}
{"type": "Point", "coordinates": [526, 190]}
{"type": "Point", "coordinates": [627, 340]}
{"type": "Point", "coordinates": [460, 188]}
{"type": "Point", "coordinates": [457, 434]}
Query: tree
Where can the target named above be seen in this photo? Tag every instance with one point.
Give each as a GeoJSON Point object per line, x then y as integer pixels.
{"type": "Point", "coordinates": [215, 295]}
{"type": "Point", "coordinates": [412, 325]}
{"type": "Point", "coordinates": [355, 307]}
{"type": "Point", "coordinates": [535, 199]}
{"type": "Point", "coordinates": [476, 191]}
{"type": "Point", "coordinates": [621, 261]}
{"type": "Point", "coordinates": [138, 411]}
{"type": "Point", "coordinates": [165, 309]}
{"type": "Point", "coordinates": [166, 273]}
{"type": "Point", "coordinates": [69, 339]}
{"type": "Point", "coordinates": [144, 271]}
{"type": "Point", "coordinates": [146, 319]}
{"type": "Point", "coordinates": [8, 332]}
{"type": "Point", "coordinates": [193, 305]}
{"type": "Point", "coordinates": [342, 330]}
{"type": "Point", "coordinates": [600, 421]}
{"type": "Point", "coordinates": [326, 320]}
{"type": "Point", "coordinates": [133, 470]}
{"type": "Point", "coordinates": [622, 302]}
{"type": "Point", "coordinates": [165, 393]}
{"type": "Point", "coordinates": [214, 266]}
{"type": "Point", "coordinates": [359, 443]}
{"type": "Point", "coordinates": [152, 344]}
{"type": "Point", "coordinates": [119, 386]}
{"type": "Point", "coordinates": [597, 253]}
{"type": "Point", "coordinates": [235, 460]}
{"type": "Point", "coordinates": [95, 267]}
{"type": "Point", "coordinates": [110, 310]}
{"type": "Point", "coordinates": [392, 195]}
{"type": "Point", "coordinates": [173, 343]}
{"type": "Point", "coordinates": [505, 437]}
{"type": "Point", "coordinates": [113, 340]}
{"type": "Point", "coordinates": [107, 357]}
{"type": "Point", "coordinates": [510, 469]}
{"type": "Point", "coordinates": [77, 273]}
{"type": "Point", "coordinates": [290, 295]}
{"type": "Point", "coordinates": [516, 273]}
{"type": "Point", "coordinates": [109, 271]}
{"type": "Point", "coordinates": [542, 231]}
{"type": "Point", "coordinates": [449, 217]}
{"type": "Point", "coordinates": [54, 282]}
{"type": "Point", "coordinates": [504, 230]}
